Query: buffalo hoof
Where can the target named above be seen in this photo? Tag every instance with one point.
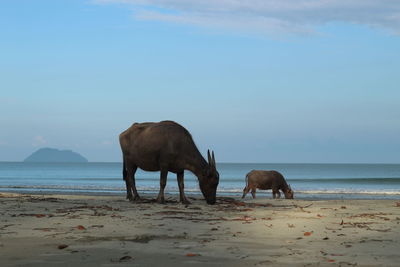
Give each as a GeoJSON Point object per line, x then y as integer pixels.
{"type": "Point", "coordinates": [160, 200]}
{"type": "Point", "coordinates": [134, 198]}
{"type": "Point", "coordinates": [185, 201]}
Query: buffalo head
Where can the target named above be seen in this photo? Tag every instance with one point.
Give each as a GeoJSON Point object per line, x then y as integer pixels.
{"type": "Point", "coordinates": [209, 180]}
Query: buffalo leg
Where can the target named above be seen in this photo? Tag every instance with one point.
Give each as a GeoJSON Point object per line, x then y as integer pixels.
{"type": "Point", "coordinates": [128, 189]}
{"type": "Point", "coordinates": [130, 184]}
{"type": "Point", "coordinates": [274, 193]}
{"type": "Point", "coordinates": [279, 194]}
{"type": "Point", "coordinates": [181, 186]}
{"type": "Point", "coordinates": [163, 182]}
{"type": "Point", "coordinates": [245, 191]}
{"type": "Point", "coordinates": [253, 192]}
{"type": "Point", "coordinates": [125, 177]}
{"type": "Point", "coordinates": [135, 193]}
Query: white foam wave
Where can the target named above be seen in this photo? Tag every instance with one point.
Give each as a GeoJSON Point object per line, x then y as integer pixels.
{"type": "Point", "coordinates": [172, 189]}
{"type": "Point", "coordinates": [342, 191]}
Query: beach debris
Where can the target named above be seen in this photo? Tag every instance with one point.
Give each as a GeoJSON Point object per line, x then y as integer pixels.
{"type": "Point", "coordinates": [378, 215]}
{"type": "Point", "coordinates": [62, 246]}
{"type": "Point", "coordinates": [145, 238]}
{"type": "Point", "coordinates": [96, 213]}
{"type": "Point", "coordinates": [44, 229]}
{"type": "Point", "coordinates": [308, 233]}
{"type": "Point", "coordinates": [122, 259]}
{"type": "Point", "coordinates": [325, 238]}
{"type": "Point", "coordinates": [302, 208]}
{"type": "Point", "coordinates": [74, 216]}
{"type": "Point", "coordinates": [397, 204]}
{"type": "Point", "coordinates": [33, 215]}
{"type": "Point", "coordinates": [5, 226]}
{"type": "Point", "coordinates": [97, 226]}
{"type": "Point", "coordinates": [364, 225]}
{"type": "Point", "coordinates": [228, 200]}
{"type": "Point", "coordinates": [247, 209]}
{"type": "Point", "coordinates": [291, 225]}
{"type": "Point", "coordinates": [263, 263]}
{"type": "Point", "coordinates": [192, 255]}
{"type": "Point", "coordinates": [381, 240]}
{"type": "Point", "coordinates": [343, 207]}
{"type": "Point", "coordinates": [173, 212]}
{"type": "Point", "coordinates": [37, 199]}
{"type": "Point", "coordinates": [85, 207]}
{"type": "Point", "coordinates": [171, 208]}
{"type": "Point", "coordinates": [331, 260]}
{"type": "Point", "coordinates": [357, 224]}
{"type": "Point", "coordinates": [125, 258]}
{"type": "Point", "coordinates": [323, 252]}
{"type": "Point", "coordinates": [244, 218]}
{"type": "Point", "coordinates": [238, 203]}
{"type": "Point", "coordinates": [379, 230]}
{"type": "Point", "coordinates": [81, 227]}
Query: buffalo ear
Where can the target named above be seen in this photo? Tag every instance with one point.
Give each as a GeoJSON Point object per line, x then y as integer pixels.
{"type": "Point", "coordinates": [209, 157]}
{"type": "Point", "coordinates": [213, 160]}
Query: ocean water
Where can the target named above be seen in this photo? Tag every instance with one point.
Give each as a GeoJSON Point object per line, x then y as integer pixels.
{"type": "Point", "coordinates": [309, 181]}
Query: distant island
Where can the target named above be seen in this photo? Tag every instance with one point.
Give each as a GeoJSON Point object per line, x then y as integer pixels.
{"type": "Point", "coordinates": [55, 155]}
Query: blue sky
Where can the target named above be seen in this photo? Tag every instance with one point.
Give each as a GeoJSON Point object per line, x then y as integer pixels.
{"type": "Point", "coordinates": [265, 81]}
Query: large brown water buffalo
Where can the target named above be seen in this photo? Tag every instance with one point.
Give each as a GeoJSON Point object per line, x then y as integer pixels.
{"type": "Point", "coordinates": [267, 180]}
{"type": "Point", "coordinates": [166, 146]}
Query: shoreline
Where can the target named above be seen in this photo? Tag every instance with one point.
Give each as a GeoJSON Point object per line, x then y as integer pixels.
{"type": "Point", "coordinates": [302, 195]}
{"type": "Point", "coordinates": [92, 230]}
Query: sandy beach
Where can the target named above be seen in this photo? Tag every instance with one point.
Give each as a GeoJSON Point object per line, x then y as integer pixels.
{"type": "Point", "coordinates": [72, 230]}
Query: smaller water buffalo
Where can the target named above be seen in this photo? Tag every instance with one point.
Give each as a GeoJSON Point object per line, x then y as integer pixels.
{"type": "Point", "coordinates": [267, 180]}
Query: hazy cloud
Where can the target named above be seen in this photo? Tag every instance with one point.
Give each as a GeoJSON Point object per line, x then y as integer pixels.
{"type": "Point", "coordinates": [269, 16]}
{"type": "Point", "coordinates": [39, 141]}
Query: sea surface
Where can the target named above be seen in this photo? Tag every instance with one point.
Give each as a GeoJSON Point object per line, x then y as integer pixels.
{"type": "Point", "coordinates": [309, 181]}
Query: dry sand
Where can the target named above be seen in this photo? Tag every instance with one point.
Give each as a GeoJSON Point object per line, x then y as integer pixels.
{"type": "Point", "coordinates": [61, 230]}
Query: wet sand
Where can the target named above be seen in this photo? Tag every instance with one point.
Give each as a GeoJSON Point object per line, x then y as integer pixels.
{"type": "Point", "coordinates": [64, 230]}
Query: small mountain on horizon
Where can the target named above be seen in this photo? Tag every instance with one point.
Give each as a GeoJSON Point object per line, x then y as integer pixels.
{"type": "Point", "coordinates": [55, 155]}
